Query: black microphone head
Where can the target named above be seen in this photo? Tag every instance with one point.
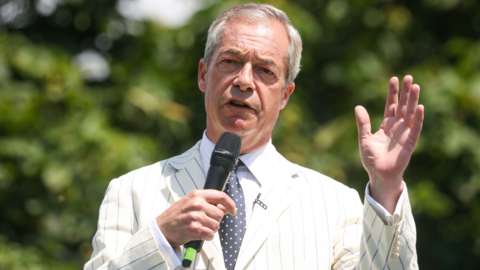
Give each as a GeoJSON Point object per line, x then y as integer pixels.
{"type": "Point", "coordinates": [226, 151]}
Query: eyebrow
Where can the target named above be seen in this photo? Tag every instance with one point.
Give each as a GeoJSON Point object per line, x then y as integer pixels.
{"type": "Point", "coordinates": [264, 60]}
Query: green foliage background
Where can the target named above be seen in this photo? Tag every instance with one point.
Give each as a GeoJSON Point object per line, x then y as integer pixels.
{"type": "Point", "coordinates": [63, 138]}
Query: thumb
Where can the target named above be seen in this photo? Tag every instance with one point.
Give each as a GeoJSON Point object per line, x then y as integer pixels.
{"type": "Point", "coordinates": [363, 122]}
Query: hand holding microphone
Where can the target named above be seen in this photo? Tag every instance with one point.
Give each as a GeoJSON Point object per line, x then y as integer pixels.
{"type": "Point", "coordinates": [197, 216]}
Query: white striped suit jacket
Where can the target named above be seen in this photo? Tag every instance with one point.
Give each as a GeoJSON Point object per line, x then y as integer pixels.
{"type": "Point", "coordinates": [312, 222]}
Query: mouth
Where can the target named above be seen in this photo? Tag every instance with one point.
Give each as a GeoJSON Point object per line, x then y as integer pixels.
{"type": "Point", "coordinates": [239, 104]}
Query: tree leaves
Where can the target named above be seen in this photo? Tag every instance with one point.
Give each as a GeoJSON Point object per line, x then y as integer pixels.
{"type": "Point", "coordinates": [64, 137]}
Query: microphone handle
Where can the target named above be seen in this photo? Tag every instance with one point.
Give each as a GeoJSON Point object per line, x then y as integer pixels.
{"type": "Point", "coordinates": [216, 179]}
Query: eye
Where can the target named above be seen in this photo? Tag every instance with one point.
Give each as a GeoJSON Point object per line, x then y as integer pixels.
{"type": "Point", "coordinates": [267, 71]}
{"type": "Point", "coordinates": [228, 65]}
{"type": "Point", "coordinates": [229, 61]}
{"type": "Point", "coordinates": [267, 74]}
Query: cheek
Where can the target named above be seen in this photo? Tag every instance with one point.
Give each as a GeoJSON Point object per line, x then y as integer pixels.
{"type": "Point", "coordinates": [211, 103]}
{"type": "Point", "coordinates": [213, 97]}
{"type": "Point", "coordinates": [274, 100]}
{"type": "Point", "coordinates": [217, 82]}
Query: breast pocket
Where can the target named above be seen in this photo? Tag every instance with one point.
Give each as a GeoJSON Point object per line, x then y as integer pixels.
{"type": "Point", "coordinates": [295, 251]}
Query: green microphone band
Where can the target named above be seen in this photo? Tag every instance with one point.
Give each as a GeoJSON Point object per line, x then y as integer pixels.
{"type": "Point", "coordinates": [189, 256]}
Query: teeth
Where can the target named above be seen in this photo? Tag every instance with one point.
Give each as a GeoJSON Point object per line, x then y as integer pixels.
{"type": "Point", "coordinates": [239, 103]}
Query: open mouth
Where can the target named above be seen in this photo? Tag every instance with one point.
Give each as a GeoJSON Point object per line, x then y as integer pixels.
{"type": "Point", "coordinates": [238, 104]}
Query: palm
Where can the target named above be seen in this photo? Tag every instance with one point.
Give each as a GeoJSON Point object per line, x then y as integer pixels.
{"type": "Point", "coordinates": [386, 153]}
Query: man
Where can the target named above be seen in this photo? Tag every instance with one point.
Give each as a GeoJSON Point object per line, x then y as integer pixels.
{"type": "Point", "coordinates": [309, 220]}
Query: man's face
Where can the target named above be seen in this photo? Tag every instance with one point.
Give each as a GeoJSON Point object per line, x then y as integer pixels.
{"type": "Point", "coordinates": [245, 82]}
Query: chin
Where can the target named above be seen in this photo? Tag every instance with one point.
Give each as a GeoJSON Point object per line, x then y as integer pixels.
{"type": "Point", "coordinates": [239, 127]}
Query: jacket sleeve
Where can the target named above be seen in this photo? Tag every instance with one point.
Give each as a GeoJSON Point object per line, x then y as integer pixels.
{"type": "Point", "coordinates": [380, 246]}
{"type": "Point", "coordinates": [118, 243]}
{"type": "Point", "coordinates": [388, 247]}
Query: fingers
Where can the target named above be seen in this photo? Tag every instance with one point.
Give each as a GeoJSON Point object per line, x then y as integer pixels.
{"type": "Point", "coordinates": [219, 197]}
{"type": "Point", "coordinates": [412, 105]}
{"type": "Point", "coordinates": [200, 225]}
{"type": "Point", "coordinates": [404, 96]}
{"type": "Point", "coordinates": [213, 211]}
{"type": "Point", "coordinates": [417, 125]}
{"type": "Point", "coordinates": [222, 208]}
{"type": "Point", "coordinates": [203, 216]}
{"type": "Point", "coordinates": [392, 98]}
{"type": "Point", "coordinates": [363, 122]}
{"type": "Point", "coordinates": [195, 216]}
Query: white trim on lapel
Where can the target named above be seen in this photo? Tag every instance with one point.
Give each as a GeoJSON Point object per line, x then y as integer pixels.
{"type": "Point", "coordinates": [189, 176]}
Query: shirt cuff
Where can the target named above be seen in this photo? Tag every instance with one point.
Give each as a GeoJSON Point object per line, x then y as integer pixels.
{"type": "Point", "coordinates": [387, 218]}
{"type": "Point", "coordinates": [172, 256]}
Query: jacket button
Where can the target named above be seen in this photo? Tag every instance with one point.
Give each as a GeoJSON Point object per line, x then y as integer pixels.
{"type": "Point", "coordinates": [395, 255]}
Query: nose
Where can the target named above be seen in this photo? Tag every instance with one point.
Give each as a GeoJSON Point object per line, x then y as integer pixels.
{"type": "Point", "coordinates": [244, 79]}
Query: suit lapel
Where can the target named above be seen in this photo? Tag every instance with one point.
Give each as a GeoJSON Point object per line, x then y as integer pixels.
{"type": "Point", "coordinates": [189, 176]}
{"type": "Point", "coordinates": [282, 188]}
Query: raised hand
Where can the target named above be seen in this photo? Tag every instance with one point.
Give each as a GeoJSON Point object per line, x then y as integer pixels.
{"type": "Point", "coordinates": [386, 153]}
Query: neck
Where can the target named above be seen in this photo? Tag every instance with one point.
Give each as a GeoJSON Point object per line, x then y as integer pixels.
{"type": "Point", "coordinates": [250, 142]}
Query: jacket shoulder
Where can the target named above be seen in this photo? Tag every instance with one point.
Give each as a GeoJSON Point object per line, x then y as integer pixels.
{"type": "Point", "coordinates": [160, 167]}
{"type": "Point", "coordinates": [315, 178]}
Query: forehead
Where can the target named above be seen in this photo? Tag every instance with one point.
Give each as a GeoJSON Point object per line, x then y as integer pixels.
{"type": "Point", "coordinates": [264, 39]}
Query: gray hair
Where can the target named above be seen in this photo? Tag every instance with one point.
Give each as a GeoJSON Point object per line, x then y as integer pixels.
{"type": "Point", "coordinates": [257, 13]}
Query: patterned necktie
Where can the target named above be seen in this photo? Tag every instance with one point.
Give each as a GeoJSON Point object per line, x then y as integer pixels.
{"type": "Point", "coordinates": [232, 228]}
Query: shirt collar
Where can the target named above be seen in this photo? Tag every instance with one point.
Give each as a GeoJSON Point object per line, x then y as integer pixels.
{"type": "Point", "coordinates": [256, 161]}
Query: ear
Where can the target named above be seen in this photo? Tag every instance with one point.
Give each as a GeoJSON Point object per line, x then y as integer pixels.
{"type": "Point", "coordinates": [286, 94]}
{"type": "Point", "coordinates": [202, 71]}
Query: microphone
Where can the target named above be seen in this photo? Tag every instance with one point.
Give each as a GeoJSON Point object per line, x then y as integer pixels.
{"type": "Point", "coordinates": [223, 160]}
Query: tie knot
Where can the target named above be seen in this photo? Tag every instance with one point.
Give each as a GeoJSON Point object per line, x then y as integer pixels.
{"type": "Point", "coordinates": [239, 163]}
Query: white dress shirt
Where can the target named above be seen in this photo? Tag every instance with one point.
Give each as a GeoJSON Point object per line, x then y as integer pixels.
{"type": "Point", "coordinates": [250, 178]}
